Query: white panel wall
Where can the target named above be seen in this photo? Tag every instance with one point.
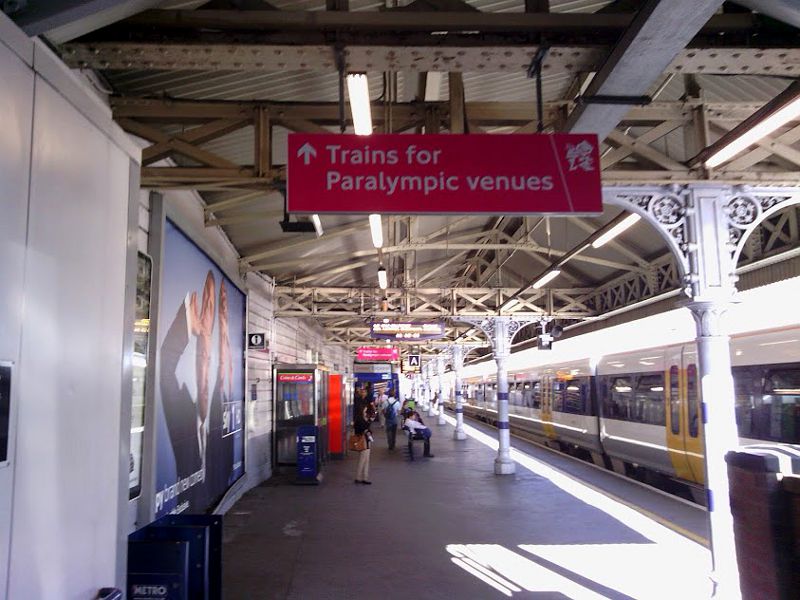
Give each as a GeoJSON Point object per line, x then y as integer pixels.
{"type": "Point", "coordinates": [65, 174]}
{"type": "Point", "coordinates": [259, 381]}
{"type": "Point", "coordinates": [16, 106]}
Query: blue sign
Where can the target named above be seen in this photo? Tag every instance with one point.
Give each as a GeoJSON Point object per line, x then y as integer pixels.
{"type": "Point", "coordinates": [307, 453]}
{"type": "Point", "coordinates": [407, 331]}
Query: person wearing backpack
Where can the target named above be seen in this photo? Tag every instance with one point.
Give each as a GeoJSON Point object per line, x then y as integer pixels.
{"type": "Point", "coordinates": [390, 418]}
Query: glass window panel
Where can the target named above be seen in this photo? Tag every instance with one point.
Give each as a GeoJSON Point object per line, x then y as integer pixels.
{"type": "Point", "coordinates": [649, 399]}
{"type": "Point", "coordinates": [782, 391]}
{"type": "Point", "coordinates": [692, 400]}
{"type": "Point", "coordinates": [674, 399]}
{"type": "Point", "coordinates": [619, 401]}
{"type": "Point", "coordinates": [141, 341]}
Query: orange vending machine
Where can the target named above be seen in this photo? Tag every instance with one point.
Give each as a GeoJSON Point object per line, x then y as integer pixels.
{"type": "Point", "coordinates": [337, 420]}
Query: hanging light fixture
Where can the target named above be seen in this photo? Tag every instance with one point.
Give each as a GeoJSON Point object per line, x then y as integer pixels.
{"type": "Point", "coordinates": [358, 90]}
{"type": "Point", "coordinates": [623, 225]}
{"type": "Point", "coordinates": [382, 280]}
{"type": "Point", "coordinates": [376, 230]}
{"type": "Point", "coordinates": [546, 278]}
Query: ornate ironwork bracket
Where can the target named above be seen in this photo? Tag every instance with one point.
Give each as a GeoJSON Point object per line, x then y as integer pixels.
{"type": "Point", "coordinates": [697, 234]}
{"type": "Point", "coordinates": [507, 327]}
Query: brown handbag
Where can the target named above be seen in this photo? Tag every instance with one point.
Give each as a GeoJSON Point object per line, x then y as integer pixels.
{"type": "Point", "coordinates": [357, 442]}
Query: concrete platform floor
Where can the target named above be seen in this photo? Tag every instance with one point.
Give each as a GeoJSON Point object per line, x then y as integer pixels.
{"type": "Point", "coordinates": [447, 527]}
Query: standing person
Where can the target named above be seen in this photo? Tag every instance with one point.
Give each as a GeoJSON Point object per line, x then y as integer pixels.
{"type": "Point", "coordinates": [381, 401]}
{"type": "Point", "coordinates": [361, 423]}
{"type": "Point", "coordinates": [390, 419]}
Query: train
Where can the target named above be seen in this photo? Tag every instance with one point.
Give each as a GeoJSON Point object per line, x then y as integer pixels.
{"type": "Point", "coordinates": [638, 411]}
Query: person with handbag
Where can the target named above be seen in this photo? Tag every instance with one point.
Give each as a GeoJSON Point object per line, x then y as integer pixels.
{"type": "Point", "coordinates": [363, 418]}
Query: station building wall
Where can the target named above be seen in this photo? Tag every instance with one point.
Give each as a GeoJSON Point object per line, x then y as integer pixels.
{"type": "Point", "coordinates": [290, 340]}
{"type": "Point", "coordinates": [68, 179]}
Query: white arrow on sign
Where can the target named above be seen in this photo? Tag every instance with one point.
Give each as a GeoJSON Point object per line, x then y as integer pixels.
{"type": "Point", "coordinates": [307, 152]}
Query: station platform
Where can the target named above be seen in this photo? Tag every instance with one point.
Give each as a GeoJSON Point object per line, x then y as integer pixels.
{"type": "Point", "coordinates": [448, 527]}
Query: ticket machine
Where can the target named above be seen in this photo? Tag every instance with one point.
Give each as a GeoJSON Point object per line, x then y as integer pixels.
{"type": "Point", "coordinates": [300, 398]}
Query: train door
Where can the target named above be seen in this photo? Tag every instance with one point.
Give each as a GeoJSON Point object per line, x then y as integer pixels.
{"type": "Point", "coordinates": [547, 405]}
{"type": "Point", "coordinates": [695, 451]}
{"type": "Point", "coordinates": [676, 414]}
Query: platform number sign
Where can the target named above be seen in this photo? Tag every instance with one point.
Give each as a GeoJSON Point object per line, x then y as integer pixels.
{"type": "Point", "coordinates": [257, 341]}
{"type": "Point", "coordinates": [411, 364]}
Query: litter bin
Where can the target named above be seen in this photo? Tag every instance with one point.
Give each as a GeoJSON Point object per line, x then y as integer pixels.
{"type": "Point", "coordinates": [307, 455]}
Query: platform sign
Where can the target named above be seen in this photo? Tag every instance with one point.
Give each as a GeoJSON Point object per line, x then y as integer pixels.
{"type": "Point", "coordinates": [257, 341]}
{"type": "Point", "coordinates": [407, 331]}
{"type": "Point", "coordinates": [377, 354]}
{"type": "Point", "coordinates": [411, 364]}
{"type": "Point", "coordinates": [444, 174]}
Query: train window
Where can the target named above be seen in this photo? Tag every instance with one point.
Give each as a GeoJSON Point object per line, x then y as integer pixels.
{"type": "Point", "coordinates": [691, 399]}
{"type": "Point", "coordinates": [782, 395]}
{"type": "Point", "coordinates": [576, 397]}
{"type": "Point", "coordinates": [618, 400]}
{"type": "Point", "coordinates": [537, 395]}
{"type": "Point", "coordinates": [649, 398]}
{"type": "Point", "coordinates": [527, 394]}
{"type": "Point", "coordinates": [748, 392]}
{"type": "Point", "coordinates": [674, 399]}
{"type": "Point", "coordinates": [559, 389]}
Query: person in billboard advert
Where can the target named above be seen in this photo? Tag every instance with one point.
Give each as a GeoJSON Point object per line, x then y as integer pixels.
{"type": "Point", "coordinates": [186, 412]}
{"type": "Point", "coordinates": [220, 447]}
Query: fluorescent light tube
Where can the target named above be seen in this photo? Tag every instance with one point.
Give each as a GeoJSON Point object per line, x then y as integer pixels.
{"type": "Point", "coordinates": [376, 230]}
{"type": "Point", "coordinates": [546, 278]}
{"type": "Point", "coordinates": [788, 113]}
{"type": "Point", "coordinates": [510, 303]}
{"type": "Point", "coordinates": [358, 89]}
{"type": "Point", "coordinates": [382, 281]}
{"type": "Point", "coordinates": [609, 235]}
{"type": "Point", "coordinates": [317, 224]}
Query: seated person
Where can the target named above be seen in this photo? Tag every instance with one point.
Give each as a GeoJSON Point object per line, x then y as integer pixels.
{"type": "Point", "coordinates": [415, 425]}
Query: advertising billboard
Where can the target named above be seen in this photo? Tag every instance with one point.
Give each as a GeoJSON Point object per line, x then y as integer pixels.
{"type": "Point", "coordinates": [200, 412]}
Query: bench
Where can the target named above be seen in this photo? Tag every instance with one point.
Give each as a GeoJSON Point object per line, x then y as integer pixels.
{"type": "Point", "coordinates": [412, 437]}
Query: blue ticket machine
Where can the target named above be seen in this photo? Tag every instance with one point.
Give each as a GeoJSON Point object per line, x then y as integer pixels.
{"type": "Point", "coordinates": [307, 463]}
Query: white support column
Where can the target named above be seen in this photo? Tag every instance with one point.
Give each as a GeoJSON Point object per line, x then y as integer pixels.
{"type": "Point", "coordinates": [712, 285]}
{"type": "Point", "coordinates": [503, 465]}
{"type": "Point", "coordinates": [431, 403]}
{"type": "Point", "coordinates": [440, 369]}
{"type": "Point", "coordinates": [458, 367]}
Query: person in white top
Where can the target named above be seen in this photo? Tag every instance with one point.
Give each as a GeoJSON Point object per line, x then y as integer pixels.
{"type": "Point", "coordinates": [415, 425]}
{"type": "Point", "coordinates": [380, 403]}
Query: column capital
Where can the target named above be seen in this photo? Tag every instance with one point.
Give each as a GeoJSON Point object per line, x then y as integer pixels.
{"type": "Point", "coordinates": [709, 315]}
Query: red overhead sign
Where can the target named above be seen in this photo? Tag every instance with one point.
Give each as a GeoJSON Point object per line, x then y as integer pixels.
{"type": "Point", "coordinates": [296, 377]}
{"type": "Point", "coordinates": [377, 353]}
{"type": "Point", "coordinates": [418, 174]}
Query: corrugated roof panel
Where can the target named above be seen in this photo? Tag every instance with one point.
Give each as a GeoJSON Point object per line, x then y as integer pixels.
{"type": "Point", "coordinates": [727, 88]}
{"type": "Point", "coordinates": [484, 5]}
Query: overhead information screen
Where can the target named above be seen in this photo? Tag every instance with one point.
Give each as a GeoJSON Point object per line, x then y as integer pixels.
{"type": "Point", "coordinates": [407, 331]}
